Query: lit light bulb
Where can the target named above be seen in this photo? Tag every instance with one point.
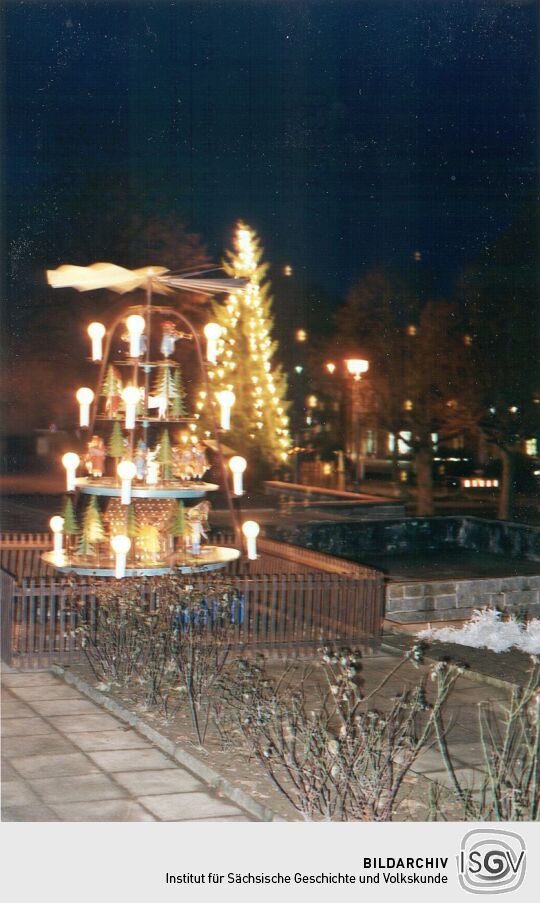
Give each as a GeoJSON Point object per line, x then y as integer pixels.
{"type": "Point", "coordinates": [131, 397]}
{"type": "Point", "coordinates": [56, 524]}
{"type": "Point", "coordinates": [120, 546]}
{"type": "Point", "coordinates": [96, 331]}
{"type": "Point", "coordinates": [70, 461]}
{"type": "Point", "coordinates": [85, 398]}
{"type": "Point", "coordinates": [212, 332]}
{"type": "Point", "coordinates": [135, 325]}
{"type": "Point", "coordinates": [126, 471]}
{"type": "Point", "coordinates": [356, 367]}
{"type": "Point", "coordinates": [238, 465]}
{"type": "Point", "coordinates": [250, 529]}
{"type": "Point", "coordinates": [226, 399]}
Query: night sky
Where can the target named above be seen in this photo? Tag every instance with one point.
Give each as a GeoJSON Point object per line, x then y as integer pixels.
{"type": "Point", "coordinates": [349, 133]}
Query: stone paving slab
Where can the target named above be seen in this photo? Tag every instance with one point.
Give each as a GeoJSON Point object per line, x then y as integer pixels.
{"type": "Point", "coordinates": [78, 723]}
{"type": "Point", "coordinates": [12, 747]}
{"type": "Point", "coordinates": [79, 787]}
{"type": "Point", "coordinates": [119, 739]}
{"type": "Point", "coordinates": [131, 759]}
{"type": "Point", "coordinates": [37, 812]}
{"type": "Point", "coordinates": [186, 806]}
{"type": "Point", "coordinates": [17, 793]}
{"type": "Point", "coordinates": [102, 810]}
{"type": "Point", "coordinates": [65, 759]}
{"type": "Point", "coordinates": [51, 766]}
{"type": "Point", "coordinates": [68, 707]}
{"type": "Point", "coordinates": [170, 780]}
{"type": "Point", "coordinates": [25, 727]}
{"type": "Point", "coordinates": [49, 691]}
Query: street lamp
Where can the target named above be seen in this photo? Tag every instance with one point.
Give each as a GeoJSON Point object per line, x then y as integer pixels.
{"type": "Point", "coordinates": [357, 366]}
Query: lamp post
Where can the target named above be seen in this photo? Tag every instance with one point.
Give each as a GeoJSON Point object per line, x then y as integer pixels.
{"type": "Point", "coordinates": [355, 367]}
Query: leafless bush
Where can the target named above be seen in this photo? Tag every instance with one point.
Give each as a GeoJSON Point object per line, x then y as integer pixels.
{"type": "Point", "coordinates": [510, 788]}
{"type": "Point", "coordinates": [333, 757]}
{"type": "Point", "coordinates": [164, 637]}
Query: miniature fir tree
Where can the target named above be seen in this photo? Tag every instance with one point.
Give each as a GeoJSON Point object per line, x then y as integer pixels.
{"type": "Point", "coordinates": [178, 527]}
{"type": "Point", "coordinates": [178, 402]}
{"type": "Point", "coordinates": [112, 390]}
{"type": "Point", "coordinates": [164, 455]}
{"type": "Point", "coordinates": [71, 527]}
{"type": "Point", "coordinates": [93, 531]}
{"type": "Point", "coordinates": [168, 385]}
{"type": "Point", "coordinates": [245, 363]}
{"type": "Point", "coordinates": [115, 446]}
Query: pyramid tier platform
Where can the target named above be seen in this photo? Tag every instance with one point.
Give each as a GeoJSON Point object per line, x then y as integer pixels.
{"type": "Point", "coordinates": [165, 489]}
{"type": "Point", "coordinates": [210, 558]}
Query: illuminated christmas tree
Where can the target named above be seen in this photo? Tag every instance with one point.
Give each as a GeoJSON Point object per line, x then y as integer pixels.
{"type": "Point", "coordinates": [245, 358]}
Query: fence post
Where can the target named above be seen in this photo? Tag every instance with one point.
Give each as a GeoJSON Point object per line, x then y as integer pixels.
{"type": "Point", "coordinates": [7, 585]}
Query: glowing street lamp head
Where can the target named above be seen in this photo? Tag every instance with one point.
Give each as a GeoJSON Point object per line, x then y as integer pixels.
{"type": "Point", "coordinates": [356, 367]}
{"type": "Point", "coordinates": [121, 544]}
{"type": "Point", "coordinates": [331, 367]}
{"type": "Point", "coordinates": [71, 460]}
{"type": "Point", "coordinates": [56, 524]}
{"type": "Point", "coordinates": [126, 470]}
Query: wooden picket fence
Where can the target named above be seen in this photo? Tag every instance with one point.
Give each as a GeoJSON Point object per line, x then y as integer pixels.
{"type": "Point", "coordinates": [291, 597]}
{"type": "Point", "coordinates": [275, 612]}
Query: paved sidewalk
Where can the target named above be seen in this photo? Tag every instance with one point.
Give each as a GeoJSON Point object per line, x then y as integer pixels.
{"type": "Point", "coordinates": [66, 759]}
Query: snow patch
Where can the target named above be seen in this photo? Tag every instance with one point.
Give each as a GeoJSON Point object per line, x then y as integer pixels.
{"type": "Point", "coordinates": [488, 630]}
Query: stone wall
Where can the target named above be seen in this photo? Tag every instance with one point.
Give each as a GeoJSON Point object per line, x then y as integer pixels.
{"type": "Point", "coordinates": [412, 535]}
{"type": "Point", "coordinates": [447, 600]}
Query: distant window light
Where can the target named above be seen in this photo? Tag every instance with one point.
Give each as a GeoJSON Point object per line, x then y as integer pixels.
{"type": "Point", "coordinates": [468, 339]}
{"type": "Point", "coordinates": [411, 329]}
{"type": "Point", "coordinates": [408, 405]}
{"type": "Point", "coordinates": [531, 447]}
{"type": "Point", "coordinates": [301, 335]}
